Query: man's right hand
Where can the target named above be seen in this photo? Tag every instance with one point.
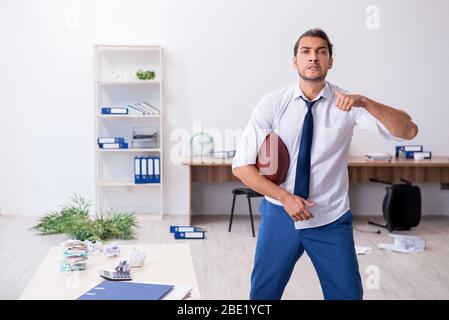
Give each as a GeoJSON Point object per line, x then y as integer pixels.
{"type": "Point", "coordinates": [296, 207]}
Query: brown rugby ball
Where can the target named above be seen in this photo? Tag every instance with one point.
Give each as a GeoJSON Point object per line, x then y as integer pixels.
{"type": "Point", "coordinates": [273, 159]}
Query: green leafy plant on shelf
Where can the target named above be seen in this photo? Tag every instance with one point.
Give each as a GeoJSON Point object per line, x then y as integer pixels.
{"type": "Point", "coordinates": [145, 74]}
{"type": "Point", "coordinates": [73, 219]}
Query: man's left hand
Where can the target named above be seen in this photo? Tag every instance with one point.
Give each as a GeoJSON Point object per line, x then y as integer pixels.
{"type": "Point", "coordinates": [345, 102]}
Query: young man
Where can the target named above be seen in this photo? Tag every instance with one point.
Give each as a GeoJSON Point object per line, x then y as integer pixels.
{"type": "Point", "coordinates": [310, 211]}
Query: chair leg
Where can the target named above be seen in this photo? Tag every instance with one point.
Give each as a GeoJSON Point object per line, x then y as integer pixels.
{"type": "Point", "coordinates": [232, 213]}
{"type": "Point", "coordinates": [251, 216]}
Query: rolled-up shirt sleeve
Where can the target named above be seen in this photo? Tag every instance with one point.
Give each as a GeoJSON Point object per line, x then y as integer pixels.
{"type": "Point", "coordinates": [366, 121]}
{"type": "Point", "coordinates": [258, 127]}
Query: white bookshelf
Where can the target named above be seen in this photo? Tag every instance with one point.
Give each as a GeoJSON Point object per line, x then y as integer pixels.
{"type": "Point", "coordinates": [129, 82]}
{"type": "Point", "coordinates": [127, 184]}
{"type": "Point", "coordinates": [129, 116]}
{"type": "Point", "coordinates": [116, 86]}
{"type": "Point", "coordinates": [130, 150]}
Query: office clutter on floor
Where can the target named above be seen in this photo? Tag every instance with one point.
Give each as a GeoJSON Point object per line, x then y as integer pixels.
{"type": "Point", "coordinates": [404, 244]}
{"type": "Point", "coordinates": [362, 250]}
{"type": "Point", "coordinates": [187, 232]}
{"type": "Point", "coordinates": [412, 152]}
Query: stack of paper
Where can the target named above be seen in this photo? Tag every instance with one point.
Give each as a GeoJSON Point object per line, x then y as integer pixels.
{"type": "Point", "coordinates": [75, 255]}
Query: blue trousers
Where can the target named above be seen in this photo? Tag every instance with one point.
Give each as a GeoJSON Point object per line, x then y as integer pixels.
{"type": "Point", "coordinates": [279, 246]}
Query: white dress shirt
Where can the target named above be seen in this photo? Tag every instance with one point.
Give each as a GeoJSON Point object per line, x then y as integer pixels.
{"type": "Point", "coordinates": [283, 112]}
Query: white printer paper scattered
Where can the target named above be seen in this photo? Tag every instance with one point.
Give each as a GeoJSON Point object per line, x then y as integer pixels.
{"type": "Point", "coordinates": [362, 250]}
{"type": "Point", "coordinates": [405, 244]}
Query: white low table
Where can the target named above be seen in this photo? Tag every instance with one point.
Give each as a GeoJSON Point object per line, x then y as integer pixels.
{"type": "Point", "coordinates": [164, 263]}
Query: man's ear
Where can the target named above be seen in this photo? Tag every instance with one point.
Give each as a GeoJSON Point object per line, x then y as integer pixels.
{"type": "Point", "coordinates": [331, 63]}
{"type": "Point", "coordinates": [295, 63]}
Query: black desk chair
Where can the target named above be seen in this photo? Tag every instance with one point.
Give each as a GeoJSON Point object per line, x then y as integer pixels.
{"type": "Point", "coordinates": [249, 194]}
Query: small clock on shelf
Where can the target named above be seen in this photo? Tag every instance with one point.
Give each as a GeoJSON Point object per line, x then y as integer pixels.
{"type": "Point", "coordinates": [201, 144]}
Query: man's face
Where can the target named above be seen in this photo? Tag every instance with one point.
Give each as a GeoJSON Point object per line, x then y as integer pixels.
{"type": "Point", "coordinates": [312, 59]}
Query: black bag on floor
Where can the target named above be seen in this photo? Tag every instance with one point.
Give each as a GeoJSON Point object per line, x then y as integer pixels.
{"type": "Point", "coordinates": [401, 206]}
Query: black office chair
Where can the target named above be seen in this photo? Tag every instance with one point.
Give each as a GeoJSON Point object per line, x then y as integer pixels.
{"type": "Point", "coordinates": [249, 194]}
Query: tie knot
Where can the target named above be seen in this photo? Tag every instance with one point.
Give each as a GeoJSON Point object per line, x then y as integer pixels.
{"type": "Point", "coordinates": [310, 103]}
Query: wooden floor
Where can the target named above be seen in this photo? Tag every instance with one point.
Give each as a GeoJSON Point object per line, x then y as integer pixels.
{"type": "Point", "coordinates": [223, 262]}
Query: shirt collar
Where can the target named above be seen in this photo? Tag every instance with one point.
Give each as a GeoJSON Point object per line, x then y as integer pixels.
{"type": "Point", "coordinates": [325, 92]}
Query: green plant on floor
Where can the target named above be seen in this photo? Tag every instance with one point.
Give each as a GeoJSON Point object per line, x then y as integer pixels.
{"type": "Point", "coordinates": [73, 219]}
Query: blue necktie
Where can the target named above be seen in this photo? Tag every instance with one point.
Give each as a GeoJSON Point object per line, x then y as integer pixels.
{"type": "Point", "coordinates": [302, 179]}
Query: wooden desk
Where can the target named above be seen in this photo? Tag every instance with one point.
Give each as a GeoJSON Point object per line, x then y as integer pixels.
{"type": "Point", "coordinates": [432, 170]}
{"type": "Point", "coordinates": [359, 169]}
{"type": "Point", "coordinates": [435, 170]}
{"type": "Point", "coordinates": [164, 263]}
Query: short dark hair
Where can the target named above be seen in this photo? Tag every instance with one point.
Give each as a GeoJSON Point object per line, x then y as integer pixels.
{"type": "Point", "coordinates": [318, 33]}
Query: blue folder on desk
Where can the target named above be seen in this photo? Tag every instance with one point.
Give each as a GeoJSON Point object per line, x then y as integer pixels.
{"type": "Point", "coordinates": [120, 290]}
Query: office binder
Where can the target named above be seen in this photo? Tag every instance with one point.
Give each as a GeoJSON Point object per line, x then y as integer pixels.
{"type": "Point", "coordinates": [174, 229]}
{"type": "Point", "coordinates": [123, 145]}
{"type": "Point", "coordinates": [422, 155]}
{"type": "Point", "coordinates": [137, 171]}
{"type": "Point", "coordinates": [143, 107]}
{"type": "Point", "coordinates": [189, 235]}
{"type": "Point", "coordinates": [110, 140]}
{"type": "Point", "coordinates": [408, 154]}
{"type": "Point", "coordinates": [150, 169]}
{"type": "Point", "coordinates": [148, 107]}
{"type": "Point", "coordinates": [114, 110]}
{"type": "Point", "coordinates": [408, 148]}
{"type": "Point", "coordinates": [157, 172]}
{"type": "Point", "coordinates": [118, 290]}
{"type": "Point", "coordinates": [144, 169]}
{"type": "Point", "coordinates": [134, 110]}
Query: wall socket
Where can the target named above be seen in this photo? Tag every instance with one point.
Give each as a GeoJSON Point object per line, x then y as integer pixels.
{"type": "Point", "coordinates": [444, 186]}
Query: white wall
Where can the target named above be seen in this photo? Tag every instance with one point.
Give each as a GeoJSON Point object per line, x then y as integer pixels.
{"type": "Point", "coordinates": [221, 57]}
